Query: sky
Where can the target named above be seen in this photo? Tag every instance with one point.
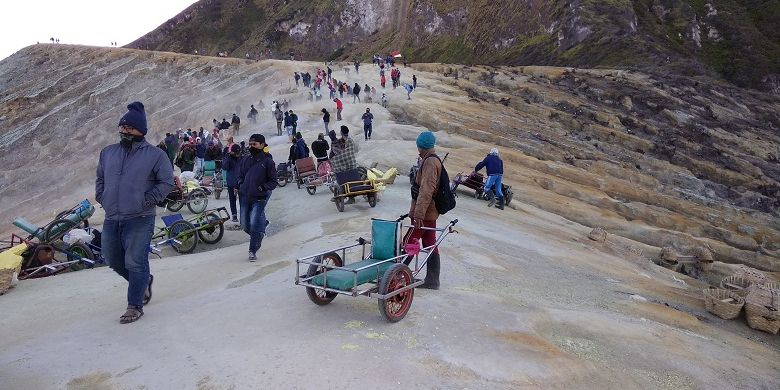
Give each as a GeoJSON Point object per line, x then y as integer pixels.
{"type": "Point", "coordinates": [84, 22]}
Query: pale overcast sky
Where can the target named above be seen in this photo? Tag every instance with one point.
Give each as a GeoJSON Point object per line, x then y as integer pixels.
{"type": "Point", "coordinates": [85, 22]}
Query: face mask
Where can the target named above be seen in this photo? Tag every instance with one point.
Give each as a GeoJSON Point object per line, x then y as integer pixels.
{"type": "Point", "coordinates": [254, 151]}
{"type": "Point", "coordinates": [126, 140]}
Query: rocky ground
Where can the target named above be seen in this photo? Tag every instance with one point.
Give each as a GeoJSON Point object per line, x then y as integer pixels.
{"type": "Point", "coordinates": [528, 300]}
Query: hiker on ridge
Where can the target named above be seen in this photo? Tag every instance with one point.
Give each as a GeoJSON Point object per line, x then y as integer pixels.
{"type": "Point", "coordinates": [256, 181]}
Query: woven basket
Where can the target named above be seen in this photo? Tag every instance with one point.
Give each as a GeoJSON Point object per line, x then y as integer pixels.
{"type": "Point", "coordinates": [762, 318]}
{"type": "Point", "coordinates": [761, 307]}
{"type": "Point", "coordinates": [6, 278]}
{"type": "Point", "coordinates": [723, 303]}
{"type": "Point", "coordinates": [737, 284]}
{"type": "Point", "coordinates": [751, 274]}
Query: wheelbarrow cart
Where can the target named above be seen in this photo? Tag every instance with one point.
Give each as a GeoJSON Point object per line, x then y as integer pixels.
{"type": "Point", "coordinates": [382, 273]}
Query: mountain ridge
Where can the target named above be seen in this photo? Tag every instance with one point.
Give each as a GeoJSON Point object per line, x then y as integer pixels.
{"type": "Point", "coordinates": [734, 39]}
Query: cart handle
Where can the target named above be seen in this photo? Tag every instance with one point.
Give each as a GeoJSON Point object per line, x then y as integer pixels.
{"type": "Point", "coordinates": [401, 218]}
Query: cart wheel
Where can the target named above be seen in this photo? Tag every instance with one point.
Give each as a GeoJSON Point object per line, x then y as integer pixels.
{"type": "Point", "coordinates": [396, 277]}
{"type": "Point", "coordinates": [82, 251]}
{"type": "Point", "coordinates": [198, 201]}
{"type": "Point", "coordinates": [282, 181]}
{"type": "Point", "coordinates": [311, 190]}
{"type": "Point", "coordinates": [57, 228]}
{"type": "Point", "coordinates": [175, 205]}
{"type": "Point", "coordinates": [184, 232]}
{"type": "Point", "coordinates": [508, 196]}
{"type": "Point", "coordinates": [289, 178]}
{"type": "Point", "coordinates": [372, 200]}
{"type": "Point", "coordinates": [214, 232]}
{"type": "Point", "coordinates": [319, 296]}
{"type": "Point", "coordinates": [340, 204]}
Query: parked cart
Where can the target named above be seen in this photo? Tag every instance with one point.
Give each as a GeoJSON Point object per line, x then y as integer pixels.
{"type": "Point", "coordinates": [382, 273]}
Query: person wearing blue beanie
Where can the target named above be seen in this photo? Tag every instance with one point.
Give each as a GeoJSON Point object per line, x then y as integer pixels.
{"type": "Point", "coordinates": [426, 140]}
{"type": "Point", "coordinates": [132, 178]}
{"type": "Point", "coordinates": [135, 117]}
{"type": "Point", "coordinates": [423, 209]}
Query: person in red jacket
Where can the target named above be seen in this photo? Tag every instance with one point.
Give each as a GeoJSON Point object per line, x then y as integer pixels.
{"type": "Point", "coordinates": [339, 107]}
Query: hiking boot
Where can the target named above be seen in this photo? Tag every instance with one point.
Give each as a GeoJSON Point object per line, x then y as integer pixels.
{"type": "Point", "coordinates": [432, 273]}
{"type": "Point", "coordinates": [491, 197]}
{"type": "Point", "coordinates": [235, 219]}
{"type": "Point", "coordinates": [500, 204]}
{"type": "Point", "coordinates": [252, 257]}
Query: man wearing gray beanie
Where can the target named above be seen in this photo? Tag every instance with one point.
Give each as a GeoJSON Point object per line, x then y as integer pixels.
{"type": "Point", "coordinates": [133, 176]}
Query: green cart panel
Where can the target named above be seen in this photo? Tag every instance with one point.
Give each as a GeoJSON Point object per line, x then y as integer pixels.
{"type": "Point", "coordinates": [384, 245]}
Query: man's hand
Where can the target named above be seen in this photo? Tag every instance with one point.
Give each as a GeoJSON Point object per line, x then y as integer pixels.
{"type": "Point", "coordinates": [418, 223]}
{"type": "Point", "coordinates": [235, 191]}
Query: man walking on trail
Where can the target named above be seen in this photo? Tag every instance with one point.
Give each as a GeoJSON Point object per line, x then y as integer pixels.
{"type": "Point", "coordinates": [294, 121]}
{"type": "Point", "coordinates": [326, 119]}
{"type": "Point", "coordinates": [288, 127]}
{"type": "Point", "coordinates": [423, 208]}
{"type": "Point", "coordinates": [200, 155]}
{"type": "Point", "coordinates": [170, 146]}
{"type": "Point", "coordinates": [236, 122]}
{"type": "Point", "coordinates": [343, 152]}
{"type": "Point", "coordinates": [320, 149]}
{"type": "Point", "coordinates": [494, 167]}
{"type": "Point", "coordinates": [297, 79]}
{"type": "Point", "coordinates": [252, 113]}
{"type": "Point", "coordinates": [256, 181]}
{"type": "Point", "coordinates": [279, 119]}
{"type": "Point", "coordinates": [231, 166]}
{"type": "Point", "coordinates": [368, 123]}
{"type": "Point", "coordinates": [356, 93]}
{"type": "Point", "coordinates": [339, 108]}
{"type": "Point", "coordinates": [132, 177]}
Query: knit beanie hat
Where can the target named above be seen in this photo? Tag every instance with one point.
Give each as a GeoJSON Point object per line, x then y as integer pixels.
{"type": "Point", "coordinates": [426, 140]}
{"type": "Point", "coordinates": [135, 117]}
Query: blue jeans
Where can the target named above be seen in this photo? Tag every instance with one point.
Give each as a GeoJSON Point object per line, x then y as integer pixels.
{"type": "Point", "coordinates": [253, 221]}
{"type": "Point", "coordinates": [494, 180]}
{"type": "Point", "coordinates": [125, 246]}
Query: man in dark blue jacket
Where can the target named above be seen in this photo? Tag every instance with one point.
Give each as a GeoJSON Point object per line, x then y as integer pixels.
{"type": "Point", "coordinates": [200, 155]}
{"type": "Point", "coordinates": [256, 180]}
{"type": "Point", "coordinates": [495, 170]}
{"type": "Point", "coordinates": [132, 177]}
{"type": "Point", "coordinates": [231, 165]}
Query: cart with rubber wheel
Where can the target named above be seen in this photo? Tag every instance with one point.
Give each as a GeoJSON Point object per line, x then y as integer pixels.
{"type": "Point", "coordinates": [208, 227]}
{"type": "Point", "coordinates": [212, 177]}
{"type": "Point", "coordinates": [190, 193]}
{"type": "Point", "coordinates": [323, 177]}
{"type": "Point", "coordinates": [476, 182]}
{"type": "Point", "coordinates": [284, 174]}
{"type": "Point", "coordinates": [352, 183]}
{"type": "Point", "coordinates": [383, 273]}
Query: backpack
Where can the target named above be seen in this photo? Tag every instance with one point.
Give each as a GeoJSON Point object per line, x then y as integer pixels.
{"type": "Point", "coordinates": [444, 198]}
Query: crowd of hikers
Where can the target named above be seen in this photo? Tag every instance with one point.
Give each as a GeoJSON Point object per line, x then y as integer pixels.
{"type": "Point", "coordinates": [133, 176]}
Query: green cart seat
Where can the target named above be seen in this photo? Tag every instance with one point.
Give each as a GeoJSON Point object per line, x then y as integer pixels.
{"type": "Point", "coordinates": [209, 167]}
{"type": "Point", "coordinates": [385, 236]}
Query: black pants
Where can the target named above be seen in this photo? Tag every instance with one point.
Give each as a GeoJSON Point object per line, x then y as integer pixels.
{"type": "Point", "coordinates": [232, 199]}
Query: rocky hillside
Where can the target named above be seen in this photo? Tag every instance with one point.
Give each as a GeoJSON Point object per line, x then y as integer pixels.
{"type": "Point", "coordinates": [737, 39]}
{"type": "Point", "coordinates": [658, 160]}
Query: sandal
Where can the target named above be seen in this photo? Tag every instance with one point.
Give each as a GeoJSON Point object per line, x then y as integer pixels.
{"type": "Point", "coordinates": [148, 292]}
{"type": "Point", "coordinates": [132, 314]}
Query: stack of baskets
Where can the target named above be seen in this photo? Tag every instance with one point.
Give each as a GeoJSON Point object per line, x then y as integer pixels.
{"type": "Point", "coordinates": [752, 289]}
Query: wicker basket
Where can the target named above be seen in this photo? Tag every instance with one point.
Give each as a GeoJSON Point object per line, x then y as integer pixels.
{"type": "Point", "coordinates": [762, 317]}
{"type": "Point", "coordinates": [751, 274]}
{"type": "Point", "coordinates": [6, 278]}
{"type": "Point", "coordinates": [723, 303]}
{"type": "Point", "coordinates": [761, 307]}
{"type": "Point", "coordinates": [737, 284]}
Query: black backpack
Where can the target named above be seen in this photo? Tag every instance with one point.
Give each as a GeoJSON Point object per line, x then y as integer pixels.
{"type": "Point", "coordinates": [444, 197]}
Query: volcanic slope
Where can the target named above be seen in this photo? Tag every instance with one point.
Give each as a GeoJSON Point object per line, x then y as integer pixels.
{"type": "Point", "coordinates": [527, 300]}
{"type": "Point", "coordinates": [664, 162]}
